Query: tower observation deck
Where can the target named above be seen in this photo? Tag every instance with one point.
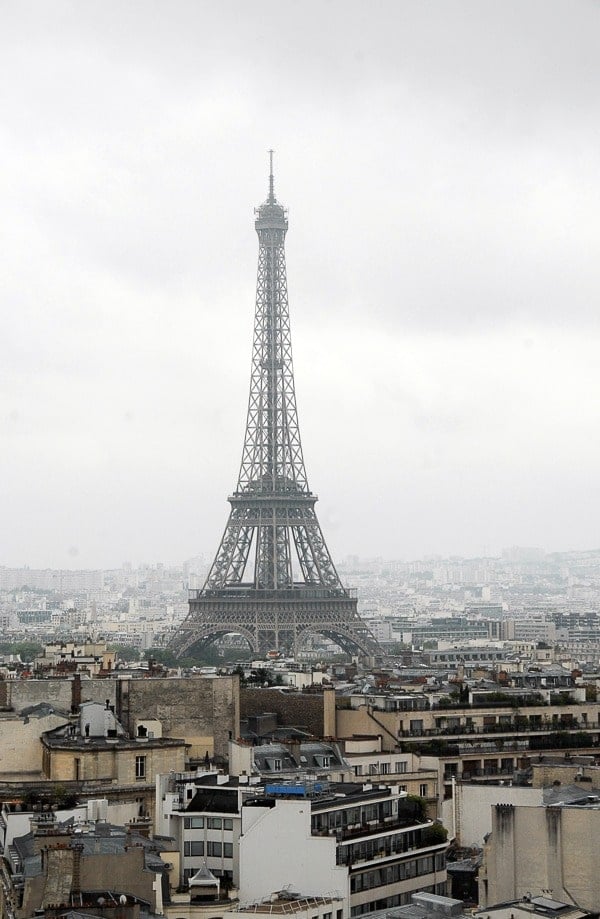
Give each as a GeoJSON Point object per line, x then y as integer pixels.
{"type": "Point", "coordinates": [273, 580]}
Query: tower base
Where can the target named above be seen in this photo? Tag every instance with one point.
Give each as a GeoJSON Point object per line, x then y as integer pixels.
{"type": "Point", "coordinates": [275, 620]}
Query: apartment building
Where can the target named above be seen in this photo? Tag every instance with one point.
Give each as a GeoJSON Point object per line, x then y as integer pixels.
{"type": "Point", "coordinates": [374, 845]}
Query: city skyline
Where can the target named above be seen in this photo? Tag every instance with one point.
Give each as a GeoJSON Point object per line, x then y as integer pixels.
{"type": "Point", "coordinates": [437, 162]}
{"type": "Point", "coordinates": [537, 554]}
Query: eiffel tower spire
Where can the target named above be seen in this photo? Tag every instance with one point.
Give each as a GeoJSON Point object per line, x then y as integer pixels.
{"type": "Point", "coordinates": [273, 579]}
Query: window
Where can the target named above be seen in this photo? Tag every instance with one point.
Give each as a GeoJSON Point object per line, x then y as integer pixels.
{"type": "Point", "coordinates": [385, 768]}
{"type": "Point", "coordinates": [400, 767]}
{"type": "Point", "coordinates": [213, 823]}
{"type": "Point", "coordinates": [228, 850]}
{"type": "Point", "coordinates": [423, 791]}
{"type": "Point", "coordinates": [140, 767]}
{"type": "Point", "coordinates": [193, 823]}
{"type": "Point", "coordinates": [358, 770]}
{"type": "Point", "coordinates": [425, 865]}
{"type": "Point", "coordinates": [213, 848]}
{"type": "Point", "coordinates": [227, 823]}
{"type": "Point", "coordinates": [193, 848]}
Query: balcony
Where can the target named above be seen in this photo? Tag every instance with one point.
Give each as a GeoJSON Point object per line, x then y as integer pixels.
{"type": "Point", "coordinates": [508, 727]}
{"type": "Point", "coordinates": [371, 828]}
{"type": "Point", "coordinates": [376, 848]}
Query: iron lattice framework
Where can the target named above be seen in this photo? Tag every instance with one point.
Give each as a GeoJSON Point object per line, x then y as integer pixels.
{"type": "Point", "coordinates": [273, 535]}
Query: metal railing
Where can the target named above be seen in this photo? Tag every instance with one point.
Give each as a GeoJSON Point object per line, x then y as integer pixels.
{"type": "Point", "coordinates": [502, 728]}
{"type": "Point", "coordinates": [298, 592]}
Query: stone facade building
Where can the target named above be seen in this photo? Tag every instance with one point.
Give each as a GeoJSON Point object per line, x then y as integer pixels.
{"type": "Point", "coordinates": [541, 848]}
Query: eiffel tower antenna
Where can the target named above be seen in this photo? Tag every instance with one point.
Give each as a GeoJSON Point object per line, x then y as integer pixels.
{"type": "Point", "coordinates": [273, 580]}
{"type": "Point", "coordinates": [272, 199]}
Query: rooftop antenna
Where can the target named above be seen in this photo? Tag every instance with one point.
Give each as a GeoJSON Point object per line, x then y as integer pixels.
{"type": "Point", "coordinates": [271, 181]}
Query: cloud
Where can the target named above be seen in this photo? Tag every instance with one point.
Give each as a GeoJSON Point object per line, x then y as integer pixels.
{"type": "Point", "coordinates": [439, 162]}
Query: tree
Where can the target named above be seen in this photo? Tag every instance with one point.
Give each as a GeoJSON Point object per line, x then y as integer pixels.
{"type": "Point", "coordinates": [26, 649]}
{"type": "Point", "coordinates": [162, 656]}
{"type": "Point", "coordinates": [125, 652]}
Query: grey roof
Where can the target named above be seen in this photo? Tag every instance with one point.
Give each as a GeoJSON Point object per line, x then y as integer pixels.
{"type": "Point", "coordinates": [106, 839]}
{"type": "Point", "coordinates": [42, 710]}
{"type": "Point", "coordinates": [32, 866]}
{"type": "Point", "coordinates": [307, 755]}
{"type": "Point", "coordinates": [265, 755]}
{"type": "Point", "coordinates": [464, 864]}
{"type": "Point", "coordinates": [583, 795]}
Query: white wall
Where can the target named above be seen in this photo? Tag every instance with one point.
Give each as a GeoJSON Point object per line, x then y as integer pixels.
{"type": "Point", "coordinates": [240, 758]}
{"type": "Point", "coordinates": [277, 851]}
{"type": "Point", "coordinates": [472, 808]}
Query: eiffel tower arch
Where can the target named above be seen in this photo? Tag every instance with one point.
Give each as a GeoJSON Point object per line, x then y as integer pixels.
{"type": "Point", "coordinates": [273, 580]}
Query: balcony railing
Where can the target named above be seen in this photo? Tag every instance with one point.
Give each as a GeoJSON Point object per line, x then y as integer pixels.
{"type": "Point", "coordinates": [371, 828]}
{"type": "Point", "coordinates": [298, 592]}
{"type": "Point", "coordinates": [511, 727]}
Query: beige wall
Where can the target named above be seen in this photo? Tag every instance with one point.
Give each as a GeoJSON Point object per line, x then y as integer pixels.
{"type": "Point", "coordinates": [547, 773]}
{"type": "Point", "coordinates": [202, 710]}
{"type": "Point", "coordinates": [20, 694]}
{"type": "Point", "coordinates": [116, 763]}
{"type": "Point", "coordinates": [536, 848]}
{"type": "Point", "coordinates": [364, 721]}
{"type": "Point", "coordinates": [20, 747]}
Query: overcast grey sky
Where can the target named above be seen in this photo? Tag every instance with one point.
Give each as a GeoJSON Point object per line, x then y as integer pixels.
{"type": "Point", "coordinates": [440, 162]}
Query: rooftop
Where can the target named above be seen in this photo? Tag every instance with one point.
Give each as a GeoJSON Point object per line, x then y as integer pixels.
{"type": "Point", "coordinates": [528, 907]}
{"type": "Point", "coordinates": [284, 902]}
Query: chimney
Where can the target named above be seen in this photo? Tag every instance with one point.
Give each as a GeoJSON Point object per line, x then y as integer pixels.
{"type": "Point", "coordinates": [75, 693]}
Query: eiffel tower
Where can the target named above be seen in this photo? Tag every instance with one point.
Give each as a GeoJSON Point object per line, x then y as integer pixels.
{"type": "Point", "coordinates": [273, 580]}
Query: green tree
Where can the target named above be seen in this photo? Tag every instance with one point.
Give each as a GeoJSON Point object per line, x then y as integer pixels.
{"type": "Point", "coordinates": [125, 652]}
{"type": "Point", "coordinates": [162, 656]}
{"type": "Point", "coordinates": [26, 649]}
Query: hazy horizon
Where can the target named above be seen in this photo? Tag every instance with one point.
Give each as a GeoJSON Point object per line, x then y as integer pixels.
{"type": "Point", "coordinates": [340, 562]}
{"type": "Point", "coordinates": [439, 163]}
